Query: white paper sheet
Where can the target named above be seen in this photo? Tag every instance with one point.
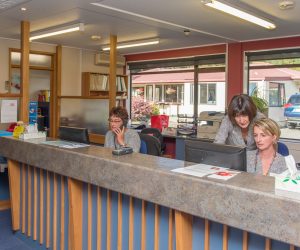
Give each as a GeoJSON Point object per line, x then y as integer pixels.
{"type": "Point", "coordinates": [199, 170]}
{"type": "Point", "coordinates": [9, 111]}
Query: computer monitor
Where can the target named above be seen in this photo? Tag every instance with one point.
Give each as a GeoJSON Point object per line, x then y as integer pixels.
{"type": "Point", "coordinates": [74, 134]}
{"type": "Point", "coordinates": [221, 155]}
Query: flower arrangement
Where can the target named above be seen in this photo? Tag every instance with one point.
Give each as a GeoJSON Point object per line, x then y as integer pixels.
{"type": "Point", "coordinates": [141, 110]}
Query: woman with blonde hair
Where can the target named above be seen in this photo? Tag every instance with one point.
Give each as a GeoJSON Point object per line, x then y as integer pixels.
{"type": "Point", "coordinates": [265, 159]}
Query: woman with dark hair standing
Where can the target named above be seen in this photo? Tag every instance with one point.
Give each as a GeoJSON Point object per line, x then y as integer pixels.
{"type": "Point", "coordinates": [119, 135]}
{"type": "Point", "coordinates": [237, 126]}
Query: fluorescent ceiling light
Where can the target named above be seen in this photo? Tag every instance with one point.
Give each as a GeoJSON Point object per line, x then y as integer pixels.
{"type": "Point", "coordinates": [135, 44]}
{"type": "Point", "coordinates": [239, 13]}
{"type": "Point", "coordinates": [57, 31]}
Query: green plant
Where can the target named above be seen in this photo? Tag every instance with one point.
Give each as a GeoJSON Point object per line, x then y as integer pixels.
{"type": "Point", "coordinates": [260, 103]}
{"type": "Point", "coordinates": [155, 109]}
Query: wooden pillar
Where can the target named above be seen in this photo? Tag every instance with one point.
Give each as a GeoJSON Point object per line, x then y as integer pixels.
{"type": "Point", "coordinates": [112, 71]}
{"type": "Point", "coordinates": [25, 44]}
{"type": "Point", "coordinates": [56, 92]}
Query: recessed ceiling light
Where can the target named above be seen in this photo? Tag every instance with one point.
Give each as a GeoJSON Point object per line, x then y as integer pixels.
{"type": "Point", "coordinates": [23, 9]}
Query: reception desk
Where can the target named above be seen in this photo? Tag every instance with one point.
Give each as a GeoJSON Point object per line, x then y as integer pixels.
{"type": "Point", "coordinates": [88, 198]}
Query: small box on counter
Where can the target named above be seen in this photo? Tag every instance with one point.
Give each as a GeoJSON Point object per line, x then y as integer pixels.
{"type": "Point", "coordinates": [287, 185]}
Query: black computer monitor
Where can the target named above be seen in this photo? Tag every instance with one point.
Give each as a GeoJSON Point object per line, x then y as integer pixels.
{"type": "Point", "coordinates": [74, 134]}
{"type": "Point", "coordinates": [221, 155]}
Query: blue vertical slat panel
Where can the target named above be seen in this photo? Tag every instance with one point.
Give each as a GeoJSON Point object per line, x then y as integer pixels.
{"type": "Point", "coordinates": [21, 197]}
{"type": "Point", "coordinates": [38, 205]}
{"type": "Point", "coordinates": [26, 199]}
{"type": "Point", "coordinates": [216, 235]}
{"type": "Point", "coordinates": [84, 215]}
{"type": "Point", "coordinates": [94, 217]}
{"type": "Point", "coordinates": [235, 238]}
{"type": "Point", "coordinates": [164, 228]}
{"type": "Point", "coordinates": [278, 245]}
{"type": "Point", "coordinates": [51, 207]}
{"type": "Point", "coordinates": [137, 204]}
{"type": "Point", "coordinates": [114, 220]}
{"type": "Point", "coordinates": [58, 202]}
{"type": "Point", "coordinates": [31, 176]}
{"type": "Point", "coordinates": [256, 242]}
{"type": "Point", "coordinates": [198, 233]}
{"type": "Point", "coordinates": [103, 217]}
{"type": "Point", "coordinates": [150, 221]}
{"type": "Point", "coordinates": [125, 221]}
{"type": "Point", "coordinates": [4, 186]}
{"type": "Point", "coordinates": [45, 205]}
{"type": "Point", "coordinates": [66, 213]}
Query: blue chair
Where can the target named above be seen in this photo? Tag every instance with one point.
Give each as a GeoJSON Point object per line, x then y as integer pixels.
{"type": "Point", "coordinates": [282, 149]}
{"type": "Point", "coordinates": [143, 148]}
{"type": "Point", "coordinates": [149, 145]}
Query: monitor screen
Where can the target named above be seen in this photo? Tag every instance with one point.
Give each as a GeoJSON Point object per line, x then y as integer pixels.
{"type": "Point", "coordinates": [221, 155]}
{"type": "Point", "coordinates": [74, 134]}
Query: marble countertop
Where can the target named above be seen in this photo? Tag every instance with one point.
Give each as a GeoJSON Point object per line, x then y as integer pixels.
{"type": "Point", "coordinates": [246, 201]}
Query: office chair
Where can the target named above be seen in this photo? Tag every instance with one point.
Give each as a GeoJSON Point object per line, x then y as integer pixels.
{"type": "Point", "coordinates": [282, 149]}
{"type": "Point", "coordinates": [156, 133]}
{"type": "Point", "coordinates": [149, 145]}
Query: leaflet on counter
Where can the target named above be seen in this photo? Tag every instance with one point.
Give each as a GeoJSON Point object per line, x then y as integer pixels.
{"type": "Point", "coordinates": [201, 170]}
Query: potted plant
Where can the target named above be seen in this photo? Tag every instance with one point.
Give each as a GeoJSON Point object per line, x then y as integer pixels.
{"type": "Point", "coordinates": [260, 103]}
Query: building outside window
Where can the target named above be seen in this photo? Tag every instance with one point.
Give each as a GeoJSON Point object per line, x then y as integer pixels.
{"type": "Point", "coordinates": [138, 91]}
{"type": "Point", "coordinates": [276, 94]}
{"type": "Point", "coordinates": [149, 93]}
{"type": "Point", "coordinates": [174, 93]}
{"type": "Point", "coordinates": [207, 93]}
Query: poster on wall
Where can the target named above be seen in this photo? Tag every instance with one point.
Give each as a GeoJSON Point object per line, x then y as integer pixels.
{"type": "Point", "coordinates": [33, 112]}
{"type": "Point", "coordinates": [9, 111]}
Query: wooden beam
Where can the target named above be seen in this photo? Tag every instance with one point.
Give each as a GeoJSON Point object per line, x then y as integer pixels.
{"type": "Point", "coordinates": [14, 172]}
{"type": "Point", "coordinates": [25, 46]}
{"type": "Point", "coordinates": [55, 101]}
{"type": "Point", "coordinates": [183, 230]}
{"type": "Point", "coordinates": [112, 71]}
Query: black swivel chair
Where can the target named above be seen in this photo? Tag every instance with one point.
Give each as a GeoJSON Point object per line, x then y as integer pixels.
{"type": "Point", "coordinates": [156, 133]}
{"type": "Point", "coordinates": [150, 145]}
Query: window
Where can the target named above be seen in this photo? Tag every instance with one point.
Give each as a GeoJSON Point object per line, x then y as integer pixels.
{"type": "Point", "coordinates": [276, 94]}
{"type": "Point", "coordinates": [174, 93]}
{"type": "Point", "coordinates": [149, 92]}
{"type": "Point", "coordinates": [158, 93]}
{"type": "Point", "coordinates": [273, 76]}
{"type": "Point", "coordinates": [207, 93]}
{"type": "Point", "coordinates": [138, 91]}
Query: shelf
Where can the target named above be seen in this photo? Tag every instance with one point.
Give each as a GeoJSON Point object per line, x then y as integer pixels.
{"type": "Point", "coordinates": [97, 84]}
